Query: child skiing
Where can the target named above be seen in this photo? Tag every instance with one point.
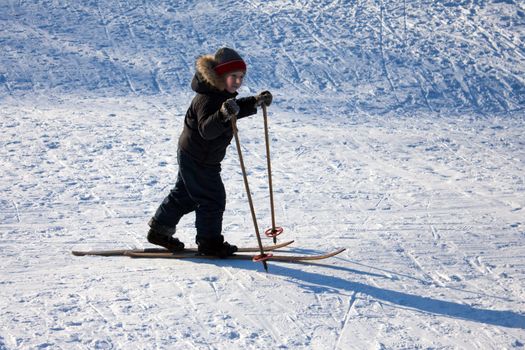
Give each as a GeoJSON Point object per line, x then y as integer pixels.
{"type": "Point", "coordinates": [202, 146]}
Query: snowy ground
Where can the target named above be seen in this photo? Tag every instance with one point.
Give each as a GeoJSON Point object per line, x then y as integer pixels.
{"type": "Point", "coordinates": [397, 133]}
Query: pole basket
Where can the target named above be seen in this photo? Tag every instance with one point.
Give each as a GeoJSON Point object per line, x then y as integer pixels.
{"type": "Point", "coordinates": [262, 257]}
{"type": "Point", "coordinates": [273, 232]}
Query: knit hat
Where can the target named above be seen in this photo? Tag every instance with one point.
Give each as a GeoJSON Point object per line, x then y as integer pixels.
{"type": "Point", "coordinates": [227, 60]}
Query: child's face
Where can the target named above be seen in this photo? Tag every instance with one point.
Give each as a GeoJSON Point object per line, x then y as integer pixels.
{"type": "Point", "coordinates": [233, 81]}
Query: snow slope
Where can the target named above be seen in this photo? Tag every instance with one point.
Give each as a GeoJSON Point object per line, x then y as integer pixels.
{"type": "Point", "coordinates": [357, 55]}
{"type": "Point", "coordinates": [397, 132]}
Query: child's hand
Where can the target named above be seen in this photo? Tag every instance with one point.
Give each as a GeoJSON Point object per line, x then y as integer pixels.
{"type": "Point", "coordinates": [229, 109]}
{"type": "Point", "coordinates": [264, 98]}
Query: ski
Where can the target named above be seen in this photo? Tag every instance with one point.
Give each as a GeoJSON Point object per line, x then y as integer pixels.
{"type": "Point", "coordinates": [191, 255]}
{"type": "Point", "coordinates": [119, 252]}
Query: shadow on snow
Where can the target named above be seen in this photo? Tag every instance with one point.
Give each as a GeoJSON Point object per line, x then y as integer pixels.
{"type": "Point", "coordinates": [316, 283]}
{"type": "Point", "coordinates": [319, 282]}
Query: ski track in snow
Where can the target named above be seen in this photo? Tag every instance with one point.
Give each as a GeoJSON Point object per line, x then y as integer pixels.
{"type": "Point", "coordinates": [396, 132]}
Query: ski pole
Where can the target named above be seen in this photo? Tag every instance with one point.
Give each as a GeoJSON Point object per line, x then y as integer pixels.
{"type": "Point", "coordinates": [273, 231]}
{"type": "Point", "coordinates": [262, 257]}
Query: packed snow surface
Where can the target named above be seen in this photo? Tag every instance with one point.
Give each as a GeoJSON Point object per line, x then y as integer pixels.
{"type": "Point", "coordinates": [397, 132]}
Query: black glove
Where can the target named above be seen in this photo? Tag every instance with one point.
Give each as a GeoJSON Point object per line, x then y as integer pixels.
{"type": "Point", "coordinates": [264, 98]}
{"type": "Point", "coordinates": [229, 109]}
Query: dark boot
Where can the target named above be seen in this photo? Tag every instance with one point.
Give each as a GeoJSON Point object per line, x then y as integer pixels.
{"type": "Point", "coordinates": [215, 246]}
{"type": "Point", "coordinates": [163, 236]}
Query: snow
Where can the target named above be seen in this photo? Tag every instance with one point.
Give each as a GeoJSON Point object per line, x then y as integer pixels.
{"type": "Point", "coordinates": [397, 132]}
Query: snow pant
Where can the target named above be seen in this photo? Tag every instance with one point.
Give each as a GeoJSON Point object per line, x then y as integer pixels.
{"type": "Point", "coordinates": [198, 188]}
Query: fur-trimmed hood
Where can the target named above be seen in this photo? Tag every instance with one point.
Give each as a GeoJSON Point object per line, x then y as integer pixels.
{"type": "Point", "coordinates": [206, 74]}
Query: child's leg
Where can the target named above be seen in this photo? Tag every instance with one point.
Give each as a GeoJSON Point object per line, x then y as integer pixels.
{"type": "Point", "coordinates": [177, 204]}
{"type": "Point", "coordinates": [210, 195]}
{"type": "Point", "coordinates": [204, 186]}
{"type": "Point", "coordinates": [163, 223]}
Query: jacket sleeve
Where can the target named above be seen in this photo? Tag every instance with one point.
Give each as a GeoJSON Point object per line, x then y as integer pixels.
{"type": "Point", "coordinates": [209, 120]}
{"type": "Point", "coordinates": [247, 107]}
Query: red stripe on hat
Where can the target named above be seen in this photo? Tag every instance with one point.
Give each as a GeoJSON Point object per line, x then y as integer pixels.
{"type": "Point", "coordinates": [230, 66]}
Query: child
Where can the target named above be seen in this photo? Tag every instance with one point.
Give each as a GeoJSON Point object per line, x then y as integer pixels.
{"type": "Point", "coordinates": [202, 146]}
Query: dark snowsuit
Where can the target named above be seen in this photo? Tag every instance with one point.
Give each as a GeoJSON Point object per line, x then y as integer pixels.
{"type": "Point", "coordinates": [202, 147]}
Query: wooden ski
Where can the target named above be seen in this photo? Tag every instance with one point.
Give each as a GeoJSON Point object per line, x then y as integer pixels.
{"type": "Point", "coordinates": [191, 255]}
{"type": "Point", "coordinates": [120, 252]}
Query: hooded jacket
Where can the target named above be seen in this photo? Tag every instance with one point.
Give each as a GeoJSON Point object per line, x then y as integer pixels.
{"type": "Point", "coordinates": [205, 136]}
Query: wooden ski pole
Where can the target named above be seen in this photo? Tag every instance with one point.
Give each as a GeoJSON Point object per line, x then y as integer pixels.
{"type": "Point", "coordinates": [274, 231]}
{"type": "Point", "coordinates": [262, 256]}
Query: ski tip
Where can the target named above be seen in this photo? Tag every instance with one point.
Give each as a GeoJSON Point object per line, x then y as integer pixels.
{"type": "Point", "coordinates": [283, 244]}
{"type": "Point", "coordinates": [338, 251]}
